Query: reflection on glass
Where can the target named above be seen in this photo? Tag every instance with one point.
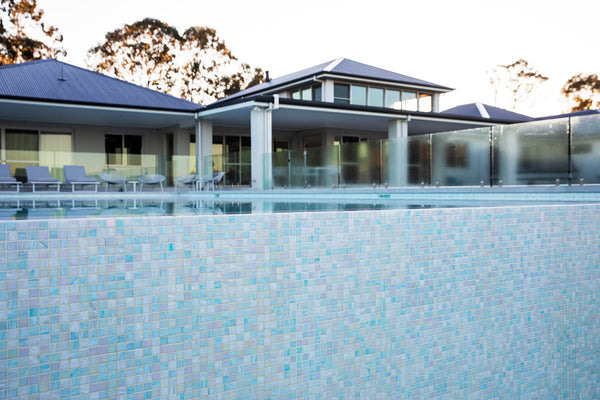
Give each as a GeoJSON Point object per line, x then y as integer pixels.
{"type": "Point", "coordinates": [531, 153]}
{"type": "Point", "coordinates": [359, 95]}
{"type": "Point", "coordinates": [307, 94]}
{"type": "Point", "coordinates": [392, 99]}
{"type": "Point", "coordinates": [341, 93]}
{"type": "Point", "coordinates": [409, 101]}
{"type": "Point", "coordinates": [376, 97]}
{"type": "Point", "coordinates": [425, 102]}
{"type": "Point", "coordinates": [585, 148]}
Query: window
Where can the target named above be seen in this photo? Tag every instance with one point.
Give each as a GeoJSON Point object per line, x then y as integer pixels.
{"type": "Point", "coordinates": [409, 101]}
{"type": "Point", "coordinates": [359, 95]}
{"type": "Point", "coordinates": [32, 147]}
{"type": "Point", "coordinates": [392, 99]}
{"type": "Point", "coordinates": [123, 149]}
{"type": "Point", "coordinates": [341, 93]}
{"type": "Point", "coordinates": [425, 103]}
{"type": "Point", "coordinates": [307, 93]}
{"type": "Point", "coordinates": [376, 97]}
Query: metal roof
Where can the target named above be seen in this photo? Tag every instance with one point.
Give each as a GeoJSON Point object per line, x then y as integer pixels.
{"type": "Point", "coordinates": [480, 110]}
{"type": "Point", "coordinates": [55, 81]}
{"type": "Point", "coordinates": [341, 67]}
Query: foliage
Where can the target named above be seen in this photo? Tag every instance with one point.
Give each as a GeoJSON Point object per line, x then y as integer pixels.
{"type": "Point", "coordinates": [514, 83]}
{"type": "Point", "coordinates": [196, 65]}
{"type": "Point", "coordinates": [23, 34]}
{"type": "Point", "coordinates": [583, 92]}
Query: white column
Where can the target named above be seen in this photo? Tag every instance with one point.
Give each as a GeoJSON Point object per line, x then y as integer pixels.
{"type": "Point", "coordinates": [204, 134]}
{"type": "Point", "coordinates": [435, 102]}
{"type": "Point", "coordinates": [327, 91]}
{"type": "Point", "coordinates": [398, 153]}
{"type": "Point", "coordinates": [181, 152]}
{"type": "Point", "coordinates": [261, 138]}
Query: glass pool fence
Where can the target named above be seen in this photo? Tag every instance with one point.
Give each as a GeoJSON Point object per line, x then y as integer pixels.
{"type": "Point", "coordinates": [565, 150]}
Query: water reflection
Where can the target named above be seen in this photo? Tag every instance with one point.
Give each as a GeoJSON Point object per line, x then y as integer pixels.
{"type": "Point", "coordinates": [86, 208]}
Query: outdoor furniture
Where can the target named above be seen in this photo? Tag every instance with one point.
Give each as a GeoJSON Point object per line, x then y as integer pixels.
{"type": "Point", "coordinates": [190, 179]}
{"type": "Point", "coordinates": [211, 180]}
{"type": "Point", "coordinates": [6, 178]}
{"type": "Point", "coordinates": [113, 179]}
{"type": "Point", "coordinates": [40, 175]}
{"type": "Point", "coordinates": [75, 175]}
{"type": "Point", "coordinates": [151, 179]}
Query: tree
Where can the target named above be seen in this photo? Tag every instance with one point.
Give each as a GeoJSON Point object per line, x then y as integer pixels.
{"type": "Point", "coordinates": [23, 34]}
{"type": "Point", "coordinates": [513, 83]}
{"type": "Point", "coordinates": [196, 65]}
{"type": "Point", "coordinates": [142, 53]}
{"type": "Point", "coordinates": [583, 92]}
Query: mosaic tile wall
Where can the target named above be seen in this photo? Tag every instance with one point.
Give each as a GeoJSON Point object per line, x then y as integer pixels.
{"type": "Point", "coordinates": [432, 303]}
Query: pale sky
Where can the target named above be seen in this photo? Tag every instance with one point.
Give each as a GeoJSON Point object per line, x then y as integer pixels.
{"type": "Point", "coordinates": [451, 43]}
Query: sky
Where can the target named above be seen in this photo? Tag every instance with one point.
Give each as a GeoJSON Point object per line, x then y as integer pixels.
{"type": "Point", "coordinates": [453, 43]}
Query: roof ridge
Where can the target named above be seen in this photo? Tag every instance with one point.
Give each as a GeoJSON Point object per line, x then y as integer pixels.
{"type": "Point", "coordinates": [482, 111]}
{"type": "Point", "coordinates": [333, 64]}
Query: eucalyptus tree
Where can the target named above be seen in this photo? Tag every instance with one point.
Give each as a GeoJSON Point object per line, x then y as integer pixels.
{"type": "Point", "coordinates": [195, 65]}
{"type": "Point", "coordinates": [583, 92]}
{"type": "Point", "coordinates": [24, 36]}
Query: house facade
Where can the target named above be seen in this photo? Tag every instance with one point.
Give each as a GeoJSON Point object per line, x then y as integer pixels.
{"type": "Point", "coordinates": [55, 114]}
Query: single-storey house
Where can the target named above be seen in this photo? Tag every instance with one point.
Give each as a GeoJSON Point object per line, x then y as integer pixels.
{"type": "Point", "coordinates": [53, 113]}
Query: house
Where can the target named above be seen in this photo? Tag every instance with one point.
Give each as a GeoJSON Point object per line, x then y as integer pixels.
{"type": "Point", "coordinates": [53, 113]}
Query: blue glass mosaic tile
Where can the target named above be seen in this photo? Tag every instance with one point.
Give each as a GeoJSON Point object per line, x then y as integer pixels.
{"type": "Point", "coordinates": [469, 303]}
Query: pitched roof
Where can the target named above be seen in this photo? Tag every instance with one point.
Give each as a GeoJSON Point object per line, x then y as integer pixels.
{"type": "Point", "coordinates": [56, 81]}
{"type": "Point", "coordinates": [341, 67]}
{"type": "Point", "coordinates": [481, 110]}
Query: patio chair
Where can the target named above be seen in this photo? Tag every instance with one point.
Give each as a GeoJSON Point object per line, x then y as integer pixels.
{"type": "Point", "coordinates": [184, 180]}
{"type": "Point", "coordinates": [151, 179]}
{"type": "Point", "coordinates": [75, 175]}
{"type": "Point", "coordinates": [39, 175]}
{"type": "Point", "coordinates": [6, 178]}
{"type": "Point", "coordinates": [211, 179]}
{"type": "Point", "coordinates": [113, 179]}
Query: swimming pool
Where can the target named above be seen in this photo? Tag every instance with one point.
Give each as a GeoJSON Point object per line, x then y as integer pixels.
{"type": "Point", "coordinates": [478, 302]}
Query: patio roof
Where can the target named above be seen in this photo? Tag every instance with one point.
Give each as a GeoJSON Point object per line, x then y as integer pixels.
{"type": "Point", "coordinates": [299, 115]}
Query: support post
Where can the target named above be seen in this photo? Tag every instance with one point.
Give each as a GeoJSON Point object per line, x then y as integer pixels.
{"type": "Point", "coordinates": [398, 153]}
{"type": "Point", "coordinates": [204, 134]}
{"type": "Point", "coordinates": [261, 138]}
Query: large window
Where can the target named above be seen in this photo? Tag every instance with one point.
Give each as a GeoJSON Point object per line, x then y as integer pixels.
{"type": "Point", "coordinates": [123, 149]}
{"type": "Point", "coordinates": [379, 97]}
{"type": "Point", "coordinates": [341, 93]}
{"type": "Point", "coordinates": [23, 147]}
{"type": "Point", "coordinates": [376, 97]}
{"type": "Point", "coordinates": [307, 93]}
{"type": "Point", "coordinates": [359, 95]}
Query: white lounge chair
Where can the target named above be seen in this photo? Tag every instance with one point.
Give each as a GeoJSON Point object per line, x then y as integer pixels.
{"type": "Point", "coordinates": [184, 180]}
{"type": "Point", "coordinates": [75, 175]}
{"type": "Point", "coordinates": [151, 179]}
{"type": "Point", "coordinates": [113, 179]}
{"type": "Point", "coordinates": [6, 178]}
{"type": "Point", "coordinates": [211, 180]}
{"type": "Point", "coordinates": [39, 175]}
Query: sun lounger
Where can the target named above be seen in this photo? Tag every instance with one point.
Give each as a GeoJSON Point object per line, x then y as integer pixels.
{"type": "Point", "coordinates": [6, 178]}
{"type": "Point", "coordinates": [151, 179]}
{"type": "Point", "coordinates": [38, 175]}
{"type": "Point", "coordinates": [114, 179]}
{"type": "Point", "coordinates": [75, 175]}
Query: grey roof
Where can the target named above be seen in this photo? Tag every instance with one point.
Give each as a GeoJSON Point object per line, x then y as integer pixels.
{"type": "Point", "coordinates": [341, 67]}
{"type": "Point", "coordinates": [55, 81]}
{"type": "Point", "coordinates": [481, 110]}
